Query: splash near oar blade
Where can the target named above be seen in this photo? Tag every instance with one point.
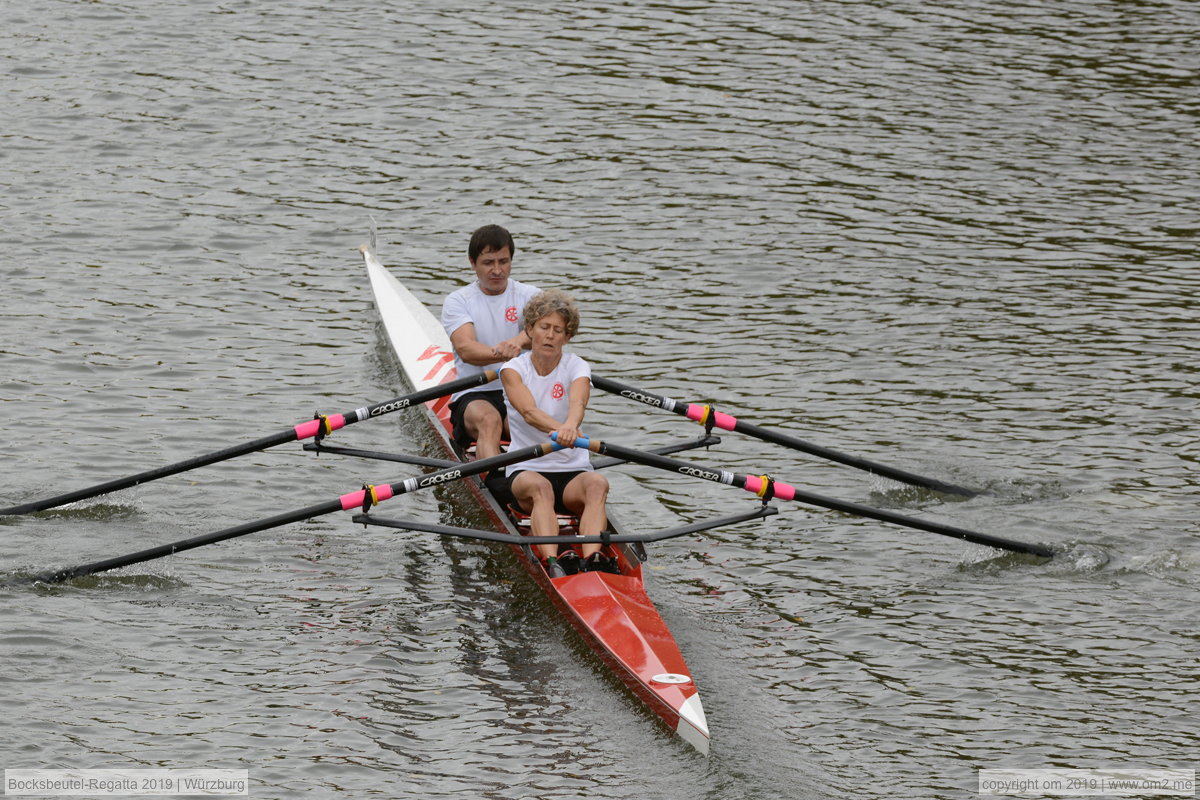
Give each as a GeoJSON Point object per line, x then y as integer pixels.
{"type": "Point", "coordinates": [359, 500]}
{"type": "Point", "coordinates": [768, 488]}
{"type": "Point", "coordinates": [707, 416]}
{"type": "Point", "coordinates": [317, 427]}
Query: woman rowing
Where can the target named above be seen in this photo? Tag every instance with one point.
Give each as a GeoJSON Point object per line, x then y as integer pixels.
{"type": "Point", "coordinates": [546, 391]}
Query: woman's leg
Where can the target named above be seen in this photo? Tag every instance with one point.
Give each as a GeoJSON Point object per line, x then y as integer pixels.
{"type": "Point", "coordinates": [535, 495]}
{"type": "Point", "coordinates": [585, 496]}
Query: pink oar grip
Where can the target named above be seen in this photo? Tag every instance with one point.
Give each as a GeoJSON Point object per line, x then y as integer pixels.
{"type": "Point", "coordinates": [308, 429]}
{"type": "Point", "coordinates": [356, 499]}
{"type": "Point", "coordinates": [783, 491]}
{"type": "Point", "coordinates": [722, 421]}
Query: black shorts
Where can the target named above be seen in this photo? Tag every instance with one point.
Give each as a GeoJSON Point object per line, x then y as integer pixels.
{"type": "Point", "coordinates": [459, 407]}
{"type": "Point", "coordinates": [558, 482]}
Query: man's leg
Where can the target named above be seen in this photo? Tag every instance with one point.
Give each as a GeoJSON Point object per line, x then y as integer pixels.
{"type": "Point", "coordinates": [484, 424]}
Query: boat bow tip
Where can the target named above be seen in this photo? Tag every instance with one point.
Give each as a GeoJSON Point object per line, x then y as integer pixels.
{"type": "Point", "coordinates": [693, 727]}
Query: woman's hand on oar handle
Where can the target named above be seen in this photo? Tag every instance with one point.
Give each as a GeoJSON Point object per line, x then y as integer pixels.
{"type": "Point", "coordinates": [567, 436]}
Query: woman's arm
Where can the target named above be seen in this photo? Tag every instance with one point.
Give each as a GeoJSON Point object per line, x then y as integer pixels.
{"type": "Point", "coordinates": [581, 391]}
{"type": "Point", "coordinates": [522, 400]}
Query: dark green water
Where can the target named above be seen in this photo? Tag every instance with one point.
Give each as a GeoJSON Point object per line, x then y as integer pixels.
{"type": "Point", "coordinates": [959, 238]}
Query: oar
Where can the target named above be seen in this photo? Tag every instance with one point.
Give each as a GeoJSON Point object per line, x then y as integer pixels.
{"type": "Point", "coordinates": [362, 499]}
{"type": "Point", "coordinates": [703, 414]}
{"type": "Point", "coordinates": [320, 425]}
{"type": "Point", "coordinates": [767, 488]}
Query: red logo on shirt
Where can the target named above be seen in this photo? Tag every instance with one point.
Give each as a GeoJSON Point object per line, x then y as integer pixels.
{"type": "Point", "coordinates": [510, 314]}
{"type": "Point", "coordinates": [557, 391]}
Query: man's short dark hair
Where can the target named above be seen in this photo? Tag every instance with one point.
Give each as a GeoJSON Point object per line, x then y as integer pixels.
{"type": "Point", "coordinates": [490, 237]}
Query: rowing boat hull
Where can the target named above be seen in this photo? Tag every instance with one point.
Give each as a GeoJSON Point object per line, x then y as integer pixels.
{"type": "Point", "coordinates": [613, 613]}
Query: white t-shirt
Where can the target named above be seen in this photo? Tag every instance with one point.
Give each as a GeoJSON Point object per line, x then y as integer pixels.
{"type": "Point", "coordinates": [552, 394]}
{"type": "Point", "coordinates": [495, 317]}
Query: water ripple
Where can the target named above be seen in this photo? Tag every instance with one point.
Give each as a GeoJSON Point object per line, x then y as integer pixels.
{"type": "Point", "coordinates": [958, 238]}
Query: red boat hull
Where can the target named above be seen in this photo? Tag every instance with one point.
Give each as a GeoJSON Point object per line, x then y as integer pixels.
{"type": "Point", "coordinates": [612, 613]}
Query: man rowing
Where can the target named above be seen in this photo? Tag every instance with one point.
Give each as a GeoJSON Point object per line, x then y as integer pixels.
{"type": "Point", "coordinates": [547, 392]}
{"type": "Point", "coordinates": [482, 320]}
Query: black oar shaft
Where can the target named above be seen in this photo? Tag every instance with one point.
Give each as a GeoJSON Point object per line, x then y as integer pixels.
{"type": "Point", "coordinates": [788, 492]}
{"type": "Point", "coordinates": [290, 435]}
{"type": "Point", "coordinates": [669, 404]}
{"type": "Point", "coordinates": [866, 465]}
{"type": "Point", "coordinates": [151, 474]}
{"type": "Point", "coordinates": [353, 500]}
{"type": "Point", "coordinates": [188, 544]}
{"type": "Point", "coordinates": [922, 524]}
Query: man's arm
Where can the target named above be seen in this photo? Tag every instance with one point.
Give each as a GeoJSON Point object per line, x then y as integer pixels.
{"type": "Point", "coordinates": [511, 348]}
